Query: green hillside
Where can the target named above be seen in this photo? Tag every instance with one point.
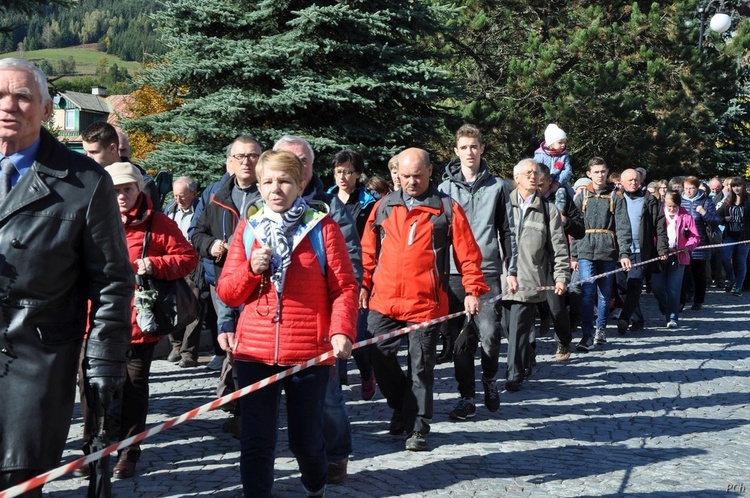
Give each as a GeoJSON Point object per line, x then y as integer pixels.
{"type": "Point", "coordinates": [87, 58]}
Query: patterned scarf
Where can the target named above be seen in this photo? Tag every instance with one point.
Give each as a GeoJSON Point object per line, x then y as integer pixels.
{"type": "Point", "coordinates": [278, 229]}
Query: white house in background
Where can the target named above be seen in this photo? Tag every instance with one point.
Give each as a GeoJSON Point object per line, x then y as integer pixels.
{"type": "Point", "coordinates": [76, 111]}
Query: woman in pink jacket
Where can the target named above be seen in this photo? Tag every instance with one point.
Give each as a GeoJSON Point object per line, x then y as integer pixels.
{"type": "Point", "coordinates": [289, 269]}
{"type": "Point", "coordinates": [683, 237]}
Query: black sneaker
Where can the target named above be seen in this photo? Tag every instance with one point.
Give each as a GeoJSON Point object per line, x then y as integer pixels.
{"type": "Point", "coordinates": [397, 425]}
{"type": "Point", "coordinates": [464, 409]}
{"type": "Point", "coordinates": [416, 442]}
{"type": "Point", "coordinates": [637, 326]}
{"type": "Point", "coordinates": [696, 306]}
{"type": "Point", "coordinates": [622, 326]}
{"type": "Point", "coordinates": [174, 356]}
{"type": "Point", "coordinates": [585, 345]}
{"type": "Point", "coordinates": [491, 396]}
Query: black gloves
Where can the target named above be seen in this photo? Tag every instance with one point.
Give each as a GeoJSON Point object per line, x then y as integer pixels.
{"type": "Point", "coordinates": [104, 378]}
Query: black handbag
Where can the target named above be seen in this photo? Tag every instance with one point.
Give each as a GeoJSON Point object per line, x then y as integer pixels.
{"type": "Point", "coordinates": [175, 305]}
{"type": "Point", "coordinates": [468, 339]}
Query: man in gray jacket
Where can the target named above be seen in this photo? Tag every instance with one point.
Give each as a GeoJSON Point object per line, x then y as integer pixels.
{"type": "Point", "coordinates": [468, 181]}
{"type": "Point", "coordinates": [607, 239]}
{"type": "Point", "coordinates": [539, 243]}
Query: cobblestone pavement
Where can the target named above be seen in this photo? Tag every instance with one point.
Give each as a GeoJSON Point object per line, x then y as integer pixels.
{"type": "Point", "coordinates": [655, 413]}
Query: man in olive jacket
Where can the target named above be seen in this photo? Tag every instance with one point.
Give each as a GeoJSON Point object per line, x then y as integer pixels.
{"type": "Point", "coordinates": [607, 239]}
{"type": "Point", "coordinates": [539, 258]}
{"type": "Point", "coordinates": [63, 254]}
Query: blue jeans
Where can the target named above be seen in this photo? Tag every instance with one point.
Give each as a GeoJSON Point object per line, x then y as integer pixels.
{"type": "Point", "coordinates": [305, 393]}
{"type": "Point", "coordinates": [667, 285]}
{"type": "Point", "coordinates": [734, 259]}
{"type": "Point", "coordinates": [361, 355]}
{"type": "Point", "coordinates": [603, 287]}
{"type": "Point", "coordinates": [337, 431]}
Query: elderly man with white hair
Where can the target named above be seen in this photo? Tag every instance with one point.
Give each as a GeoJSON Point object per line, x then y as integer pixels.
{"type": "Point", "coordinates": [65, 272]}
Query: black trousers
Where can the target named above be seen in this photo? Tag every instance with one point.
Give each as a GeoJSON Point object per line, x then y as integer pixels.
{"type": "Point", "coordinates": [518, 321]}
{"type": "Point", "coordinates": [695, 273]}
{"type": "Point", "coordinates": [14, 477]}
{"type": "Point", "coordinates": [128, 412]}
{"type": "Point", "coordinates": [560, 317]}
{"type": "Point", "coordinates": [412, 393]}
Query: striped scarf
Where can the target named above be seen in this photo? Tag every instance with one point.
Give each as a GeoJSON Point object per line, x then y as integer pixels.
{"type": "Point", "coordinates": [278, 230]}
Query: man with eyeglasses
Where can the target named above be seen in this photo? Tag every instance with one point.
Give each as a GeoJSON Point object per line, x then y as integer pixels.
{"type": "Point", "coordinates": [538, 257]}
{"type": "Point", "coordinates": [217, 215]}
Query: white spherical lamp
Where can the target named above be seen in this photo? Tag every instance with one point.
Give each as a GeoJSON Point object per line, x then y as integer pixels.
{"type": "Point", "coordinates": [720, 22]}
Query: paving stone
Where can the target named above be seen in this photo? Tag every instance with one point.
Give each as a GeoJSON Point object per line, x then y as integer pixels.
{"type": "Point", "coordinates": [653, 413]}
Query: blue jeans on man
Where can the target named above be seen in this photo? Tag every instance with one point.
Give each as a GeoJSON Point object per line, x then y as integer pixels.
{"type": "Point", "coordinates": [603, 288]}
{"type": "Point", "coordinates": [337, 431]}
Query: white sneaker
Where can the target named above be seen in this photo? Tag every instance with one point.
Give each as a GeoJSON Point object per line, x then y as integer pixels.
{"type": "Point", "coordinates": [671, 324]}
{"type": "Point", "coordinates": [600, 337]}
{"type": "Point", "coordinates": [216, 363]}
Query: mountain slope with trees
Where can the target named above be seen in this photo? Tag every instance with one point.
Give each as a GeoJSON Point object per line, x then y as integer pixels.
{"type": "Point", "coordinates": [119, 28]}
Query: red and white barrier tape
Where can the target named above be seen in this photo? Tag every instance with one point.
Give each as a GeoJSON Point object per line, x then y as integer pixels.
{"type": "Point", "coordinates": [51, 475]}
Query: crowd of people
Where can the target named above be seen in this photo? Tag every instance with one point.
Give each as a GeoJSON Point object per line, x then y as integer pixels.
{"type": "Point", "coordinates": [286, 269]}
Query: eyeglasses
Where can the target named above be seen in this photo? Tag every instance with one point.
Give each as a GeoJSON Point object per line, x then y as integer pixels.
{"type": "Point", "coordinates": [528, 174]}
{"type": "Point", "coordinates": [241, 157]}
{"type": "Point", "coordinates": [343, 173]}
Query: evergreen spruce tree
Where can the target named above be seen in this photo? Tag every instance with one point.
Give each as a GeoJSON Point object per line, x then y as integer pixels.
{"type": "Point", "coordinates": [355, 73]}
{"type": "Point", "coordinates": [625, 79]}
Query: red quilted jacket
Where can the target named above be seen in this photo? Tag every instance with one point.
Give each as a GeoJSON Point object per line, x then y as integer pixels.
{"type": "Point", "coordinates": [170, 253]}
{"type": "Point", "coordinates": [314, 306]}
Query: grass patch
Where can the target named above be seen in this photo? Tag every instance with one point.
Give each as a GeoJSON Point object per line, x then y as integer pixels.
{"type": "Point", "coordinates": [86, 57]}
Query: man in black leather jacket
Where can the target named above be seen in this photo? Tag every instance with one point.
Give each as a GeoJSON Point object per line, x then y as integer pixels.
{"type": "Point", "coordinates": [63, 250]}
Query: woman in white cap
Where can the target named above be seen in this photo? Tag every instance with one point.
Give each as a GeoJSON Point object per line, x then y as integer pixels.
{"type": "Point", "coordinates": [169, 257]}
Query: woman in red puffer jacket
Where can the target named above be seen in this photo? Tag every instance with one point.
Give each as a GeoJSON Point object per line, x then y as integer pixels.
{"type": "Point", "coordinates": [289, 269]}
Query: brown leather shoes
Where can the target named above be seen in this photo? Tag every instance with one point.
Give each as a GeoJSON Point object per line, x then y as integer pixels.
{"type": "Point", "coordinates": [82, 471]}
{"type": "Point", "coordinates": [124, 469]}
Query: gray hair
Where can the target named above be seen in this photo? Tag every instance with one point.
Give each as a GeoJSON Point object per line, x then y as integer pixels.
{"type": "Point", "coordinates": [38, 74]}
{"type": "Point", "coordinates": [192, 185]}
{"type": "Point", "coordinates": [517, 167]}
{"type": "Point", "coordinates": [294, 140]}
